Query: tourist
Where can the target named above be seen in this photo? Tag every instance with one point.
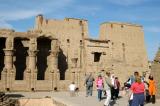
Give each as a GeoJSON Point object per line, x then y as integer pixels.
{"type": "Point", "coordinates": [143, 77]}
{"type": "Point", "coordinates": [89, 84]}
{"type": "Point", "coordinates": [152, 89]}
{"type": "Point", "coordinates": [116, 87]}
{"type": "Point", "coordinates": [72, 89]}
{"type": "Point", "coordinates": [138, 89]}
{"type": "Point", "coordinates": [145, 81]}
{"type": "Point", "coordinates": [131, 80]}
{"type": "Point", "coordinates": [112, 88]}
{"type": "Point", "coordinates": [99, 85]}
{"type": "Point", "coordinates": [108, 87]}
{"type": "Point", "coordinates": [103, 74]}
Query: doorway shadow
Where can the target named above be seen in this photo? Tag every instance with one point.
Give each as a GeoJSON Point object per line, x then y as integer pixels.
{"type": "Point", "coordinates": [62, 64]}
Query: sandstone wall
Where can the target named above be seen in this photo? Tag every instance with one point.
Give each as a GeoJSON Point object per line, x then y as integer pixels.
{"type": "Point", "coordinates": [128, 47]}
{"type": "Point", "coordinates": [69, 32]}
{"type": "Point", "coordinates": [155, 71]}
{"type": "Point", "coordinates": [57, 52]}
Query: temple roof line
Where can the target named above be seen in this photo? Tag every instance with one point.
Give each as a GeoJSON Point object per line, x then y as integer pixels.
{"type": "Point", "coordinates": [122, 23]}
{"type": "Point", "coordinates": [29, 34]}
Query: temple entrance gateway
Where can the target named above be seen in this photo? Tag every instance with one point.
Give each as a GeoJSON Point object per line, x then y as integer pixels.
{"type": "Point", "coordinates": [2, 46]}
{"type": "Point", "coordinates": [43, 46]}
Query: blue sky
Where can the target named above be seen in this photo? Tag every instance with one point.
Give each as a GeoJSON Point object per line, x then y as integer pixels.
{"type": "Point", "coordinates": [20, 15]}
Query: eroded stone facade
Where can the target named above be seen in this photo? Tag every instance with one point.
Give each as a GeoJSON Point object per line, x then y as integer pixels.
{"type": "Point", "coordinates": [57, 52]}
{"type": "Point", "coordinates": [155, 71]}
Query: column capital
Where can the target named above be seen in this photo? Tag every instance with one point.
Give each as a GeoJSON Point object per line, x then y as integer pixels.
{"type": "Point", "coordinates": [32, 52]}
{"type": "Point", "coordinates": [9, 43]}
{"type": "Point", "coordinates": [8, 52]}
{"type": "Point", "coordinates": [8, 59]}
{"type": "Point", "coordinates": [53, 53]}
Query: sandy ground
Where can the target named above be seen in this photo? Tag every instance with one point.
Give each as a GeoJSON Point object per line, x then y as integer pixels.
{"type": "Point", "coordinates": [64, 97]}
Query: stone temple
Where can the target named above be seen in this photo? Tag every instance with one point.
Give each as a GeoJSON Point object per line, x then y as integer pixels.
{"type": "Point", "coordinates": [56, 52]}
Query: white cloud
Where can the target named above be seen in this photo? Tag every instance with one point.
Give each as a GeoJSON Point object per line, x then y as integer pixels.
{"type": "Point", "coordinates": [3, 24]}
{"type": "Point", "coordinates": [127, 2]}
{"type": "Point", "coordinates": [154, 29]}
{"type": "Point", "coordinates": [23, 9]}
{"type": "Point", "coordinates": [18, 14]}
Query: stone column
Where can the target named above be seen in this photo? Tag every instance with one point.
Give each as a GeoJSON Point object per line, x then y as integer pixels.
{"type": "Point", "coordinates": [31, 70]}
{"type": "Point", "coordinates": [32, 60]}
{"type": "Point", "coordinates": [54, 69]}
{"type": "Point", "coordinates": [74, 70]}
{"type": "Point", "coordinates": [8, 73]}
{"type": "Point", "coordinates": [54, 54]}
{"type": "Point", "coordinates": [8, 59]}
{"type": "Point", "coordinates": [52, 63]}
{"type": "Point", "coordinates": [52, 73]}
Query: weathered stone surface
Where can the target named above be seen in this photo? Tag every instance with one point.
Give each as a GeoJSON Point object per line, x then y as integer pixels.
{"type": "Point", "coordinates": [57, 52]}
{"type": "Point", "coordinates": [155, 71]}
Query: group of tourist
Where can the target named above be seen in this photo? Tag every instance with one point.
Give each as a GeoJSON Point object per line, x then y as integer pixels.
{"type": "Point", "coordinates": [106, 83]}
{"type": "Point", "coordinates": [141, 89]}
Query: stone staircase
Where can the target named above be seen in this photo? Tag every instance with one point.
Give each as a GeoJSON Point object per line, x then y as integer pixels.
{"type": "Point", "coordinates": [5, 100]}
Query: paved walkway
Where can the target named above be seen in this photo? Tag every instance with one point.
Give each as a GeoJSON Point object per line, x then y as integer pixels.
{"type": "Point", "coordinates": [79, 100]}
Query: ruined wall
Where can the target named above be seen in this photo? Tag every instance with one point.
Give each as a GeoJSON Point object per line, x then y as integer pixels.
{"type": "Point", "coordinates": [128, 46]}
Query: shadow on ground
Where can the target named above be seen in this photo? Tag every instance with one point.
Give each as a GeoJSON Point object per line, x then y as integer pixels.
{"type": "Point", "coordinates": [15, 95]}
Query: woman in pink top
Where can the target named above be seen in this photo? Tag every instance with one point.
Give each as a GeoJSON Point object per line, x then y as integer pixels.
{"type": "Point", "coordinates": [99, 85]}
{"type": "Point", "coordinates": [138, 89]}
